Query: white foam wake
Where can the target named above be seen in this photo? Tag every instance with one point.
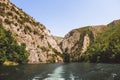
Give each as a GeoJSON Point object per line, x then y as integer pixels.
{"type": "Point", "coordinates": [49, 78]}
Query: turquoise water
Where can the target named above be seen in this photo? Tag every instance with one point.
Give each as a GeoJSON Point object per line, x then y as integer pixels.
{"type": "Point", "coordinates": [63, 71]}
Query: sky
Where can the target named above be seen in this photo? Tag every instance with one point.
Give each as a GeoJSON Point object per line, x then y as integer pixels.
{"type": "Point", "coordinates": [61, 16]}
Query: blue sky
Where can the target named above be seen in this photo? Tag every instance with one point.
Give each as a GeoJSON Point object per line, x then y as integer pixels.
{"type": "Point", "coordinates": [61, 16]}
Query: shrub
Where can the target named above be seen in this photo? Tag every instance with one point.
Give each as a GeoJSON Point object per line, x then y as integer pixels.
{"type": "Point", "coordinates": [27, 29]}
{"type": "Point", "coordinates": [42, 36]}
{"type": "Point", "coordinates": [0, 21]}
{"type": "Point", "coordinates": [35, 32]}
{"type": "Point", "coordinates": [10, 13]}
{"type": "Point", "coordinates": [7, 21]}
{"type": "Point", "coordinates": [16, 24]}
{"type": "Point", "coordinates": [10, 50]}
{"type": "Point", "coordinates": [43, 48]}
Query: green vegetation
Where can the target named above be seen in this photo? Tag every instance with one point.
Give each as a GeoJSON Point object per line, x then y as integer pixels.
{"type": "Point", "coordinates": [42, 37]}
{"type": "Point", "coordinates": [9, 13]}
{"type": "Point", "coordinates": [44, 49]}
{"type": "Point", "coordinates": [9, 49]}
{"type": "Point", "coordinates": [66, 57]}
{"type": "Point", "coordinates": [27, 29]}
{"type": "Point", "coordinates": [36, 32]}
{"type": "Point", "coordinates": [106, 48]}
{"type": "Point", "coordinates": [7, 21]}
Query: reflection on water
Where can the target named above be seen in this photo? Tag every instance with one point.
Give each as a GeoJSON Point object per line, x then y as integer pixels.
{"type": "Point", "coordinates": [71, 71]}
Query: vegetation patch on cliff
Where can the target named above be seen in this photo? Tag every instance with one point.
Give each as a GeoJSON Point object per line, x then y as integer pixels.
{"type": "Point", "coordinates": [9, 49]}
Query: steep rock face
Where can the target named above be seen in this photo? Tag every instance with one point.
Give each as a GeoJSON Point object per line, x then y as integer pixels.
{"type": "Point", "coordinates": [86, 43]}
{"type": "Point", "coordinates": [77, 41]}
{"type": "Point", "coordinates": [39, 42]}
{"type": "Point", "coordinates": [69, 41]}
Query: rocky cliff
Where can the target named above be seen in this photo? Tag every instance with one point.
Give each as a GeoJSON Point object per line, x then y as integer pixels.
{"type": "Point", "coordinates": [77, 41]}
{"type": "Point", "coordinates": [39, 43]}
{"type": "Point", "coordinates": [58, 39]}
{"type": "Point", "coordinates": [93, 43]}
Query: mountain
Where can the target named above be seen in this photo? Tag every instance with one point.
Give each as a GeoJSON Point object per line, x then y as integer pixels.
{"type": "Point", "coordinates": [58, 39]}
{"type": "Point", "coordinates": [36, 42]}
{"type": "Point", "coordinates": [24, 40]}
{"type": "Point", "coordinates": [93, 44]}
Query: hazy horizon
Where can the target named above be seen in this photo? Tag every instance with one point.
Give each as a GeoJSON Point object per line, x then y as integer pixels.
{"type": "Point", "coordinates": [62, 16]}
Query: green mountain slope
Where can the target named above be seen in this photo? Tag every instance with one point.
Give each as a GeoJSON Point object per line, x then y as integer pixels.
{"type": "Point", "coordinates": [107, 46]}
{"type": "Point", "coordinates": [9, 49]}
{"type": "Point", "coordinates": [93, 43]}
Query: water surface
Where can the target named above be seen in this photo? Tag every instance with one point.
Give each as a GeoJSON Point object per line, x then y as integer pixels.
{"type": "Point", "coordinates": [63, 71]}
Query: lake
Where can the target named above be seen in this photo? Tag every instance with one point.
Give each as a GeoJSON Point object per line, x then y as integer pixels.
{"type": "Point", "coordinates": [61, 71]}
